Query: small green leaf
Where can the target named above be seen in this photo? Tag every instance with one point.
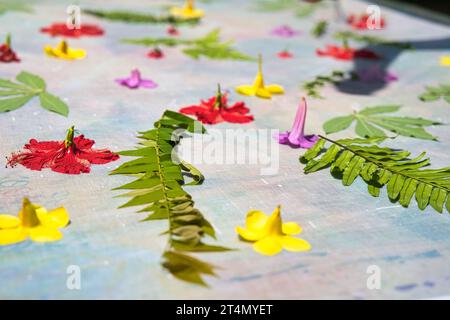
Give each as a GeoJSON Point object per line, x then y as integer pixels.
{"type": "Point", "coordinates": [11, 85]}
{"type": "Point", "coordinates": [366, 130]}
{"type": "Point", "coordinates": [436, 93]}
{"type": "Point", "coordinates": [53, 104]}
{"type": "Point", "coordinates": [31, 80]}
{"type": "Point", "coordinates": [379, 109]}
{"type": "Point", "coordinates": [11, 104]}
{"type": "Point", "coordinates": [338, 124]}
{"type": "Point", "coordinates": [353, 170]}
{"type": "Point", "coordinates": [437, 199]}
{"type": "Point", "coordinates": [408, 190]}
{"type": "Point", "coordinates": [313, 151]}
{"type": "Point", "coordinates": [428, 97]}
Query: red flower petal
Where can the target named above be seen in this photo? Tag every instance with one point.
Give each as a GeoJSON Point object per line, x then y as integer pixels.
{"type": "Point", "coordinates": [70, 163]}
{"type": "Point", "coordinates": [343, 53]}
{"type": "Point", "coordinates": [172, 31]}
{"type": "Point", "coordinates": [285, 55]}
{"type": "Point", "coordinates": [155, 54]}
{"type": "Point", "coordinates": [237, 117]}
{"type": "Point", "coordinates": [61, 29]}
{"type": "Point", "coordinates": [360, 23]}
{"type": "Point", "coordinates": [7, 54]}
{"type": "Point", "coordinates": [239, 107]}
{"type": "Point", "coordinates": [208, 112]}
{"type": "Point", "coordinates": [84, 150]}
{"type": "Point", "coordinates": [55, 155]}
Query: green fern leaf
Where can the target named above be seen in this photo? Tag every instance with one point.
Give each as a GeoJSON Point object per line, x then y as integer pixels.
{"type": "Point", "coordinates": [136, 17]}
{"type": "Point", "coordinates": [209, 46]}
{"type": "Point", "coordinates": [403, 177]}
{"type": "Point", "coordinates": [159, 189]}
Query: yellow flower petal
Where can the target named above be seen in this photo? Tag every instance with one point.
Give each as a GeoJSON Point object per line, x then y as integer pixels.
{"type": "Point", "coordinates": [13, 235]}
{"type": "Point", "coordinates": [294, 244]}
{"type": "Point", "coordinates": [268, 246]}
{"type": "Point", "coordinates": [7, 221]}
{"type": "Point", "coordinates": [76, 53]}
{"type": "Point", "coordinates": [246, 90]}
{"type": "Point", "coordinates": [57, 218]}
{"type": "Point", "coordinates": [44, 234]}
{"type": "Point", "coordinates": [186, 13]}
{"type": "Point", "coordinates": [49, 51]}
{"type": "Point", "coordinates": [291, 228]}
{"type": "Point", "coordinates": [255, 220]}
{"type": "Point", "coordinates": [263, 93]}
{"type": "Point", "coordinates": [63, 52]}
{"type": "Point", "coordinates": [445, 61]}
{"type": "Point", "coordinates": [248, 234]}
{"type": "Point", "coordinates": [274, 88]}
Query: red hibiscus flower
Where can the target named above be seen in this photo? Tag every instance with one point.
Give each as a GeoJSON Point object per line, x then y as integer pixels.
{"type": "Point", "coordinates": [6, 53]}
{"type": "Point", "coordinates": [172, 31]}
{"type": "Point", "coordinates": [74, 155]}
{"type": "Point", "coordinates": [347, 53]}
{"type": "Point", "coordinates": [61, 29]}
{"type": "Point", "coordinates": [216, 109]}
{"type": "Point", "coordinates": [285, 54]}
{"type": "Point", "coordinates": [362, 22]}
{"type": "Point", "coordinates": [156, 53]}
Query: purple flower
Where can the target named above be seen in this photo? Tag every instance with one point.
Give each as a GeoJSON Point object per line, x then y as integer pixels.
{"type": "Point", "coordinates": [375, 73]}
{"type": "Point", "coordinates": [285, 31]}
{"type": "Point", "coordinates": [296, 138]}
{"type": "Point", "coordinates": [135, 81]}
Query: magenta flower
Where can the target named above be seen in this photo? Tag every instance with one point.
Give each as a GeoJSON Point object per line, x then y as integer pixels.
{"type": "Point", "coordinates": [135, 81]}
{"type": "Point", "coordinates": [285, 31]}
{"type": "Point", "coordinates": [296, 138]}
{"type": "Point", "coordinates": [375, 73]}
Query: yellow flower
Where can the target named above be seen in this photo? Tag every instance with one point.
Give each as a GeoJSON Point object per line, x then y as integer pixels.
{"type": "Point", "coordinates": [63, 51]}
{"type": "Point", "coordinates": [33, 221]}
{"type": "Point", "coordinates": [445, 61]}
{"type": "Point", "coordinates": [187, 12]}
{"type": "Point", "coordinates": [270, 234]}
{"type": "Point", "coordinates": [258, 88]}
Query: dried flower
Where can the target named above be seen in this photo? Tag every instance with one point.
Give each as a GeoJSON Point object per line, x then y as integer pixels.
{"type": "Point", "coordinates": [61, 29]}
{"type": "Point", "coordinates": [135, 81]}
{"type": "Point", "coordinates": [258, 88]}
{"type": "Point", "coordinates": [63, 51]}
{"type": "Point", "coordinates": [74, 155]}
{"type": "Point", "coordinates": [33, 221]}
{"type": "Point", "coordinates": [270, 235]}
{"type": "Point", "coordinates": [188, 11]}
{"type": "Point", "coordinates": [216, 110]}
{"type": "Point", "coordinates": [296, 137]}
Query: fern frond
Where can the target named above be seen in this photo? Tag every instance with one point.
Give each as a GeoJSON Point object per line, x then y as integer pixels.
{"type": "Point", "coordinates": [209, 46]}
{"type": "Point", "coordinates": [159, 190]}
{"type": "Point", "coordinates": [378, 166]}
{"type": "Point", "coordinates": [137, 17]}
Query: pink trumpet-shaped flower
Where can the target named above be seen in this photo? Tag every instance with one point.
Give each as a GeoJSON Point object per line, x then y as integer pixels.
{"type": "Point", "coordinates": [135, 81]}
{"type": "Point", "coordinates": [296, 138]}
{"type": "Point", "coordinates": [285, 32]}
